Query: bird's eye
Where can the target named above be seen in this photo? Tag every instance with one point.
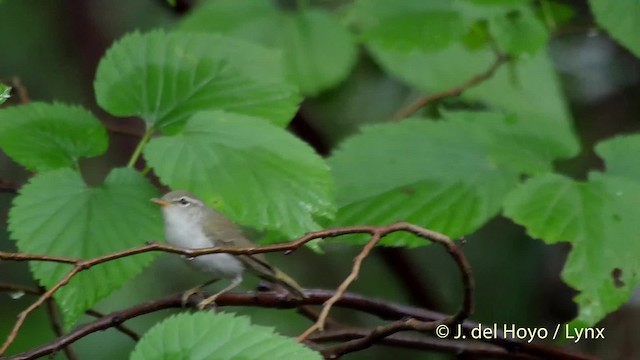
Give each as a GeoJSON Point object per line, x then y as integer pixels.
{"type": "Point", "coordinates": [183, 201]}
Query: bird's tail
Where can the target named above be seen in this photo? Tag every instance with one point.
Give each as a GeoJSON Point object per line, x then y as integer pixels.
{"type": "Point", "coordinates": [286, 281]}
{"type": "Point", "coordinates": [272, 274]}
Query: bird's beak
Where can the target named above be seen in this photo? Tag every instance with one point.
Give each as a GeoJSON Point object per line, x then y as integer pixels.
{"type": "Point", "coordinates": [160, 202]}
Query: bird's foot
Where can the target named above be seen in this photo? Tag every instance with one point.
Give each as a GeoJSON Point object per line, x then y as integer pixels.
{"type": "Point", "coordinates": [188, 294]}
{"type": "Point", "coordinates": [208, 302]}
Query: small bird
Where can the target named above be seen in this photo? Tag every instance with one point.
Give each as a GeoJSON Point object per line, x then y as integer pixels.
{"type": "Point", "coordinates": [190, 224]}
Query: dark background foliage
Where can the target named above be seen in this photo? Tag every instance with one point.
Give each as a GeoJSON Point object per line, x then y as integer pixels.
{"type": "Point", "coordinates": [53, 47]}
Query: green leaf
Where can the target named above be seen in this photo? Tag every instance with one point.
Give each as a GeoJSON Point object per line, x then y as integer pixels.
{"type": "Point", "coordinates": [5, 93]}
{"type": "Point", "coordinates": [166, 77]}
{"type": "Point", "coordinates": [535, 93]}
{"type": "Point", "coordinates": [318, 51]}
{"type": "Point", "coordinates": [44, 136]}
{"type": "Point", "coordinates": [599, 218]}
{"type": "Point", "coordinates": [427, 31]}
{"type": "Point", "coordinates": [519, 33]}
{"type": "Point", "coordinates": [621, 156]}
{"type": "Point", "coordinates": [527, 145]}
{"type": "Point", "coordinates": [456, 176]}
{"type": "Point", "coordinates": [206, 335]}
{"type": "Point", "coordinates": [498, 2]}
{"type": "Point", "coordinates": [259, 174]}
{"type": "Point", "coordinates": [56, 213]}
{"type": "Point", "coordinates": [620, 19]}
{"type": "Point", "coordinates": [434, 174]}
{"type": "Point", "coordinates": [555, 13]}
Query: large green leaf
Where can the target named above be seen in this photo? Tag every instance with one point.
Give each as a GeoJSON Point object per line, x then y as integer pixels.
{"type": "Point", "coordinates": [599, 218]}
{"type": "Point", "coordinates": [450, 176]}
{"type": "Point", "coordinates": [620, 19]}
{"type": "Point", "coordinates": [257, 173]}
{"type": "Point", "coordinates": [527, 87]}
{"type": "Point", "coordinates": [528, 145]}
{"type": "Point", "coordinates": [622, 156]}
{"type": "Point", "coordinates": [318, 51]}
{"type": "Point", "coordinates": [56, 213]}
{"type": "Point", "coordinates": [206, 335]}
{"type": "Point", "coordinates": [166, 77]}
{"type": "Point", "coordinates": [47, 136]}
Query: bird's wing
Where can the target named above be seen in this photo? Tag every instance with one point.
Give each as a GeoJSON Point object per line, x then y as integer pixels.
{"type": "Point", "coordinates": [223, 232]}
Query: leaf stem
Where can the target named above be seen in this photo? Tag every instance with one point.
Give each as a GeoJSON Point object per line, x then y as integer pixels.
{"type": "Point", "coordinates": [143, 141]}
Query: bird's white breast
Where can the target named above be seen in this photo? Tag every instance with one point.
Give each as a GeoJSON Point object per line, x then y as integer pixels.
{"type": "Point", "coordinates": [184, 231]}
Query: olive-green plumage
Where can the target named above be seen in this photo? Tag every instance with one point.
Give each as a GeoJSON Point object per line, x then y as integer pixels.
{"type": "Point", "coordinates": [189, 223]}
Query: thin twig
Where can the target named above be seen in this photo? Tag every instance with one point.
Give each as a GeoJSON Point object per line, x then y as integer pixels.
{"type": "Point", "coordinates": [280, 300]}
{"type": "Point", "coordinates": [81, 265]}
{"type": "Point", "coordinates": [123, 329]}
{"type": "Point", "coordinates": [20, 288]}
{"type": "Point", "coordinates": [96, 314]}
{"type": "Point", "coordinates": [7, 186]}
{"type": "Point", "coordinates": [405, 324]}
{"type": "Point", "coordinates": [420, 342]}
{"type": "Point", "coordinates": [357, 263]}
{"type": "Point", "coordinates": [454, 91]}
{"type": "Point", "coordinates": [56, 323]}
{"type": "Point", "coordinates": [21, 90]}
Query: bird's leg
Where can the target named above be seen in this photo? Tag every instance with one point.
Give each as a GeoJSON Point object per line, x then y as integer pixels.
{"type": "Point", "coordinates": [212, 299]}
{"type": "Point", "coordinates": [194, 290]}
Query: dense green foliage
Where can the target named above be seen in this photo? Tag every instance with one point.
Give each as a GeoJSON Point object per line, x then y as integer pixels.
{"type": "Point", "coordinates": [216, 93]}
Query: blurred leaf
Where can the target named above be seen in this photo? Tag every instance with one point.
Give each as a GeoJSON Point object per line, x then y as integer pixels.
{"type": "Point", "coordinates": [498, 2]}
{"type": "Point", "coordinates": [166, 77]}
{"type": "Point", "coordinates": [527, 145]}
{"type": "Point", "coordinates": [599, 218]}
{"type": "Point", "coordinates": [519, 33]}
{"type": "Point", "coordinates": [5, 93]}
{"type": "Point", "coordinates": [426, 31]}
{"type": "Point", "coordinates": [367, 14]}
{"type": "Point", "coordinates": [317, 50]}
{"type": "Point", "coordinates": [227, 336]}
{"type": "Point", "coordinates": [477, 37]}
{"type": "Point", "coordinates": [264, 176]}
{"type": "Point", "coordinates": [44, 136]}
{"type": "Point", "coordinates": [537, 92]}
{"type": "Point", "coordinates": [621, 154]}
{"type": "Point", "coordinates": [458, 172]}
{"type": "Point", "coordinates": [555, 13]}
{"type": "Point", "coordinates": [620, 19]}
{"type": "Point", "coordinates": [449, 182]}
{"type": "Point", "coordinates": [57, 214]}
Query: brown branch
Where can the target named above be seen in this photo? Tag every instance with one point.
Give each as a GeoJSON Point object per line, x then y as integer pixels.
{"type": "Point", "coordinates": [378, 233]}
{"type": "Point", "coordinates": [123, 329]}
{"type": "Point", "coordinates": [419, 342]}
{"type": "Point", "coordinates": [281, 300]}
{"type": "Point", "coordinates": [21, 90]}
{"type": "Point", "coordinates": [20, 288]}
{"type": "Point", "coordinates": [455, 91]}
{"type": "Point", "coordinates": [7, 186]}
{"type": "Point", "coordinates": [35, 291]}
{"type": "Point", "coordinates": [23, 315]}
{"type": "Point", "coordinates": [357, 262]}
{"type": "Point", "coordinates": [81, 265]}
{"type": "Point", "coordinates": [56, 323]}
